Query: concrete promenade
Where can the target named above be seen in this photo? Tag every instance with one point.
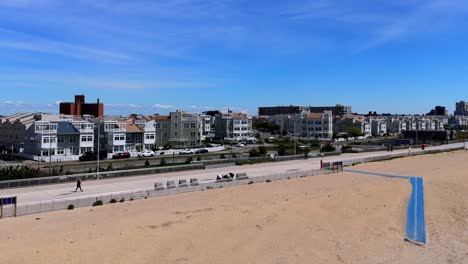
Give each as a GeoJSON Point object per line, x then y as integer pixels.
{"type": "Point", "coordinates": [60, 191]}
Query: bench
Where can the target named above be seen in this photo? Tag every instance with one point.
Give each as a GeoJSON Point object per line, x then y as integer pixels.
{"type": "Point", "coordinates": [158, 186]}
{"type": "Point", "coordinates": [242, 176]}
{"type": "Point", "coordinates": [194, 182]}
{"type": "Point", "coordinates": [183, 183]}
{"type": "Point", "coordinates": [170, 185]}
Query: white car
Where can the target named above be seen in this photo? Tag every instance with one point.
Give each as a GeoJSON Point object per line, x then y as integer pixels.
{"type": "Point", "coordinates": [186, 151]}
{"type": "Point", "coordinates": [240, 145]}
{"type": "Point", "coordinates": [146, 153]}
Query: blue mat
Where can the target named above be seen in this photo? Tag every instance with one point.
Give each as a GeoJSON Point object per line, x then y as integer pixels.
{"type": "Point", "coordinates": [415, 221]}
{"type": "Point", "coordinates": [415, 216]}
{"type": "Point", "coordinates": [378, 174]}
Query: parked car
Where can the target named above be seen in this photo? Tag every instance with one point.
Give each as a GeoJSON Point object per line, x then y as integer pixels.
{"type": "Point", "coordinates": [121, 155]}
{"type": "Point", "coordinates": [186, 151]}
{"type": "Point", "coordinates": [201, 151]}
{"type": "Point", "coordinates": [8, 157]}
{"type": "Point", "coordinates": [146, 153]}
{"type": "Point", "coordinates": [240, 145]}
{"type": "Point", "coordinates": [93, 155]}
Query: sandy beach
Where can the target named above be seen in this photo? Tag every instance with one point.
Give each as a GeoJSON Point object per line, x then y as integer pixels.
{"type": "Point", "coordinates": [340, 218]}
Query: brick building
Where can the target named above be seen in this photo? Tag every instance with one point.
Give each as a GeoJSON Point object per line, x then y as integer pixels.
{"type": "Point", "coordinates": [80, 107]}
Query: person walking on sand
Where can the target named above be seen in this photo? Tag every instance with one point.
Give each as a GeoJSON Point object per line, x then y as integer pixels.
{"type": "Point", "coordinates": [78, 185]}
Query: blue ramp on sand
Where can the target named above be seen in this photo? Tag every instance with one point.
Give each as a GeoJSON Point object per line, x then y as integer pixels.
{"type": "Point", "coordinates": [415, 221]}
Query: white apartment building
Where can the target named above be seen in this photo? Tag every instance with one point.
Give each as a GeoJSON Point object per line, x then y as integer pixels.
{"type": "Point", "coordinates": [378, 127]}
{"type": "Point", "coordinates": [233, 126]}
{"type": "Point", "coordinates": [58, 140]}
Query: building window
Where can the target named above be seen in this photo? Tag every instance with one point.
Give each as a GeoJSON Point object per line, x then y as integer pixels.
{"type": "Point", "coordinates": [118, 148]}
{"type": "Point", "coordinates": [61, 139]}
{"type": "Point", "coordinates": [46, 140]}
{"type": "Point", "coordinates": [149, 136]}
{"type": "Point", "coordinates": [86, 138]}
{"type": "Point", "coordinates": [193, 134]}
{"type": "Point", "coordinates": [73, 139]}
{"type": "Point", "coordinates": [138, 137]}
{"type": "Point", "coordinates": [193, 125]}
{"type": "Point", "coordinates": [119, 137]}
{"type": "Point", "coordinates": [186, 125]}
{"type": "Point", "coordinates": [47, 153]}
{"type": "Point", "coordinates": [60, 151]}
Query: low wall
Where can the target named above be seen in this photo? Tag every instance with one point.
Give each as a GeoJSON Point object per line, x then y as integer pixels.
{"type": "Point", "coordinates": [93, 176]}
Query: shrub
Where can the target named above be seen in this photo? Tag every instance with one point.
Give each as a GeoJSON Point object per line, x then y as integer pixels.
{"type": "Point", "coordinates": [254, 153]}
{"type": "Point", "coordinates": [250, 182]}
{"type": "Point", "coordinates": [198, 158]}
{"type": "Point", "coordinates": [162, 162]}
{"type": "Point", "coordinates": [71, 207]}
{"type": "Point", "coordinates": [223, 156]}
{"type": "Point", "coordinates": [281, 151]}
{"type": "Point", "coordinates": [113, 201]}
{"type": "Point", "coordinates": [327, 148]}
{"type": "Point", "coordinates": [209, 187]}
{"type": "Point", "coordinates": [189, 160]}
{"type": "Point", "coordinates": [268, 180]}
{"type": "Point", "coordinates": [110, 167]}
{"type": "Point", "coordinates": [262, 151]}
{"type": "Point", "coordinates": [147, 163]}
{"type": "Point", "coordinates": [122, 200]}
{"type": "Point", "coordinates": [98, 203]}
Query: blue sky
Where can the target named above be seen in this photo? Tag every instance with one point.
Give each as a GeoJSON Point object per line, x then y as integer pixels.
{"type": "Point", "coordinates": [402, 56]}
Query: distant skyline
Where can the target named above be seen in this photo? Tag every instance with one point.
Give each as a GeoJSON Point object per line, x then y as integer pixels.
{"type": "Point", "coordinates": [142, 56]}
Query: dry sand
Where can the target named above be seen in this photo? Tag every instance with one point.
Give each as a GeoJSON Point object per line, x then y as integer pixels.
{"type": "Point", "coordinates": [341, 218]}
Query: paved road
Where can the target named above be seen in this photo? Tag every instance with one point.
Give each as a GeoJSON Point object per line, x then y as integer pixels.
{"type": "Point", "coordinates": [59, 191]}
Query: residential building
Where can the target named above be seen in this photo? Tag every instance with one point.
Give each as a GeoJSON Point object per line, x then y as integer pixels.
{"type": "Point", "coordinates": [340, 110]}
{"type": "Point", "coordinates": [57, 140]}
{"type": "Point", "coordinates": [438, 111]}
{"type": "Point", "coordinates": [208, 125]}
{"type": "Point", "coordinates": [461, 108]}
{"type": "Point", "coordinates": [311, 125]}
{"type": "Point", "coordinates": [346, 123]}
{"type": "Point", "coordinates": [282, 110]}
{"type": "Point", "coordinates": [81, 108]}
{"type": "Point", "coordinates": [13, 128]}
{"type": "Point", "coordinates": [148, 127]}
{"type": "Point", "coordinates": [233, 126]}
{"type": "Point", "coordinates": [163, 129]}
{"type": "Point", "coordinates": [378, 127]}
{"type": "Point", "coordinates": [112, 135]}
{"type": "Point", "coordinates": [184, 130]}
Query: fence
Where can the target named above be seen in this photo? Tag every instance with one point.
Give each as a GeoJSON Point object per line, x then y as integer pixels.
{"type": "Point", "coordinates": [61, 204]}
{"type": "Point", "coordinates": [351, 162]}
{"type": "Point", "coordinates": [84, 201]}
{"type": "Point", "coordinates": [93, 176]}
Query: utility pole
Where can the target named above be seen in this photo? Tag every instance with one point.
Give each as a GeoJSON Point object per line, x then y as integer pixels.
{"type": "Point", "coordinates": [98, 147]}
{"type": "Point", "coordinates": [50, 152]}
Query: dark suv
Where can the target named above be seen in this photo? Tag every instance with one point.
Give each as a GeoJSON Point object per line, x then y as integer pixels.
{"type": "Point", "coordinates": [92, 155]}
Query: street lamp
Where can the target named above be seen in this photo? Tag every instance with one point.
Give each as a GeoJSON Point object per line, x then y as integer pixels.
{"type": "Point", "coordinates": [98, 147]}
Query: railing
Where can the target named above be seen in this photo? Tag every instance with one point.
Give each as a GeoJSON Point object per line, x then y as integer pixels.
{"type": "Point", "coordinates": [83, 201]}
{"type": "Point", "coordinates": [93, 176]}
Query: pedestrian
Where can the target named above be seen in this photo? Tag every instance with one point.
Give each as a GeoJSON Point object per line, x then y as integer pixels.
{"type": "Point", "coordinates": [78, 185]}
{"type": "Point", "coordinates": [409, 151]}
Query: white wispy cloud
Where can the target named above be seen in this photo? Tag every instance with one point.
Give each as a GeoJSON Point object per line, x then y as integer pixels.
{"type": "Point", "coordinates": [164, 106]}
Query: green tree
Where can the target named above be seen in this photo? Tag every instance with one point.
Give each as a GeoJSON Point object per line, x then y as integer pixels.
{"type": "Point", "coordinates": [354, 132]}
